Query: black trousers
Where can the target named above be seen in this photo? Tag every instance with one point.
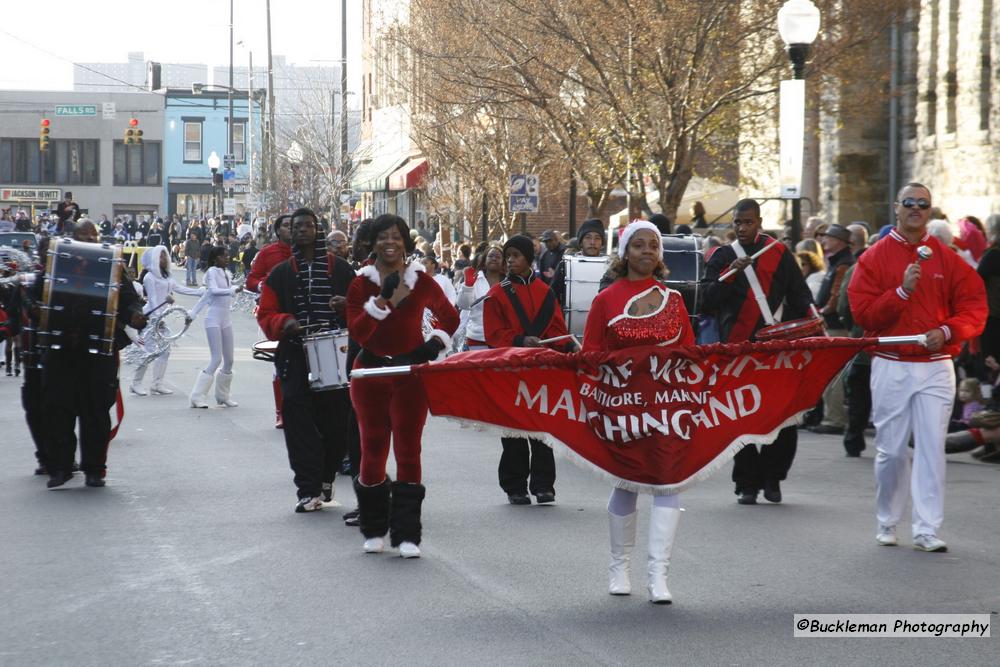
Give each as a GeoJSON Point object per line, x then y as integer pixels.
{"type": "Point", "coordinates": [77, 385]}
{"type": "Point", "coordinates": [523, 458]}
{"type": "Point", "coordinates": [754, 469]}
{"type": "Point", "coordinates": [316, 427]}
{"type": "Point", "coordinates": [31, 401]}
{"type": "Point", "coordinates": [857, 389]}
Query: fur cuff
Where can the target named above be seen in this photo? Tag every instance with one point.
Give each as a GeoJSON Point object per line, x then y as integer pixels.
{"type": "Point", "coordinates": [409, 273]}
{"type": "Point", "coordinates": [445, 339]}
{"type": "Point", "coordinates": [372, 309]}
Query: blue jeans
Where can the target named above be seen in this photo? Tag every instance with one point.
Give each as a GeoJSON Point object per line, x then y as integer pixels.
{"type": "Point", "coordinates": [192, 271]}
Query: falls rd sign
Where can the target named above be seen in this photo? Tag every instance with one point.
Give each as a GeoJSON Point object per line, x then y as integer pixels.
{"type": "Point", "coordinates": [76, 109]}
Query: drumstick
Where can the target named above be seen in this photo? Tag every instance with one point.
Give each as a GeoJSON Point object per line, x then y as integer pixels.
{"type": "Point", "coordinates": [732, 272]}
{"type": "Point", "coordinates": [553, 340]}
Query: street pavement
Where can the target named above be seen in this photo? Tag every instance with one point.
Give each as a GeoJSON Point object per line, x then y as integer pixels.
{"type": "Point", "coordinates": [193, 555]}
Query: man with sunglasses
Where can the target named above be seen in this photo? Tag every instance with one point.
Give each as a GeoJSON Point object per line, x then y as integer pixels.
{"type": "Point", "coordinates": [773, 283]}
{"type": "Point", "coordinates": [894, 292]}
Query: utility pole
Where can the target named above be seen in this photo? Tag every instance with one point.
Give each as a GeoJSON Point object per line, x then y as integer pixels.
{"type": "Point", "coordinates": [345, 160]}
{"type": "Point", "coordinates": [271, 150]}
{"type": "Point", "coordinates": [229, 150]}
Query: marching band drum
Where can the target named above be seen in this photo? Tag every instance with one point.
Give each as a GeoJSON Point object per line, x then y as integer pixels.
{"type": "Point", "coordinates": [583, 282]}
{"type": "Point", "coordinates": [81, 284]}
{"type": "Point", "coordinates": [326, 359]}
{"type": "Point", "coordinates": [681, 253]}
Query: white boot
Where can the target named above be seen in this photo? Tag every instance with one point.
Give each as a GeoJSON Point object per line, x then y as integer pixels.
{"type": "Point", "coordinates": [199, 395]}
{"type": "Point", "coordinates": [622, 529]}
{"type": "Point", "coordinates": [159, 371]}
{"type": "Point", "coordinates": [223, 381]}
{"type": "Point", "coordinates": [136, 386]}
{"type": "Point", "coordinates": [662, 530]}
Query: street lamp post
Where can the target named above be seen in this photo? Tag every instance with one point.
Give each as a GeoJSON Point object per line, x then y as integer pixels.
{"type": "Point", "coordinates": [213, 163]}
{"type": "Point", "coordinates": [798, 25]}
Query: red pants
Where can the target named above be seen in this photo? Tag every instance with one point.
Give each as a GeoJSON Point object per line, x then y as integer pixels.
{"type": "Point", "coordinates": [390, 407]}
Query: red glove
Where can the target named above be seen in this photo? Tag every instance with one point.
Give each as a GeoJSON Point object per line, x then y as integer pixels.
{"type": "Point", "coordinates": [470, 276]}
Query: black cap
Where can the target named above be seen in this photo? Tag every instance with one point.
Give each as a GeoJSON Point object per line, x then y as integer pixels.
{"type": "Point", "coordinates": [591, 225]}
{"type": "Point", "coordinates": [523, 245]}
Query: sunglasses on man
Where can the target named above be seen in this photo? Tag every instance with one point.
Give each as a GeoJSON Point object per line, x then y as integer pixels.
{"type": "Point", "coordinates": [910, 202]}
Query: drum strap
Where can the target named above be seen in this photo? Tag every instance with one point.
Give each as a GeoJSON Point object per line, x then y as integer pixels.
{"type": "Point", "coordinates": [758, 291]}
{"type": "Point", "coordinates": [537, 326]}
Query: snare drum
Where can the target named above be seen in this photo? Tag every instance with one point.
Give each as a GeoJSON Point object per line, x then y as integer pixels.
{"type": "Point", "coordinates": [80, 296]}
{"type": "Point", "coordinates": [583, 281]}
{"type": "Point", "coordinates": [326, 358]}
{"type": "Point", "coordinates": [685, 261]}
{"type": "Point", "coordinates": [265, 350]}
{"type": "Point", "coordinates": [807, 327]}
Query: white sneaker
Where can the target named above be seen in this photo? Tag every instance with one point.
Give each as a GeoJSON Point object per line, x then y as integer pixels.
{"type": "Point", "coordinates": [137, 390]}
{"type": "Point", "coordinates": [409, 550]}
{"type": "Point", "coordinates": [886, 536]}
{"type": "Point", "coordinates": [309, 504]}
{"type": "Point", "coordinates": [160, 389]}
{"type": "Point", "coordinates": [374, 545]}
{"type": "Point", "coordinates": [929, 543]}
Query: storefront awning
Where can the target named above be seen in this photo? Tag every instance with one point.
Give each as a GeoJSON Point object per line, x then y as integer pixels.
{"type": "Point", "coordinates": [373, 175]}
{"type": "Point", "coordinates": [410, 176]}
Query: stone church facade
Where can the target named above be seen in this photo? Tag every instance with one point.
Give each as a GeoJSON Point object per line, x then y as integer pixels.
{"type": "Point", "coordinates": [928, 110]}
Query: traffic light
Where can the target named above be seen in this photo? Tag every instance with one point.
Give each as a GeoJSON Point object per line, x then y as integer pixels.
{"type": "Point", "coordinates": [133, 135]}
{"type": "Point", "coordinates": [43, 135]}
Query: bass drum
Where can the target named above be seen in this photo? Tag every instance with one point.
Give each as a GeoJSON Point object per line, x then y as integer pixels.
{"type": "Point", "coordinates": [583, 282]}
{"type": "Point", "coordinates": [685, 260]}
{"type": "Point", "coordinates": [80, 296]}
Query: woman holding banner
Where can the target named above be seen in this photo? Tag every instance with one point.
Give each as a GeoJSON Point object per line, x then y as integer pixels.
{"type": "Point", "coordinates": [637, 309]}
{"type": "Point", "coordinates": [385, 311]}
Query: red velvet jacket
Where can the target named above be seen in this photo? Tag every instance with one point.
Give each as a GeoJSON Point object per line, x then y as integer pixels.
{"type": "Point", "coordinates": [269, 257]}
{"type": "Point", "coordinates": [389, 332]}
{"type": "Point", "coordinates": [950, 295]}
{"type": "Point", "coordinates": [500, 322]}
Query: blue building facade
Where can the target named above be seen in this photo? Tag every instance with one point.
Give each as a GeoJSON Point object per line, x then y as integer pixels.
{"type": "Point", "coordinates": [195, 127]}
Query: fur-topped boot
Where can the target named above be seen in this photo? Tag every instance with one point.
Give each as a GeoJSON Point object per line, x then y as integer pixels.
{"type": "Point", "coordinates": [373, 506]}
{"type": "Point", "coordinates": [404, 522]}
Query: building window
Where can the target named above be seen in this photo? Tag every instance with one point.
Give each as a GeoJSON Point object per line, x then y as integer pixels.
{"type": "Point", "coordinates": [67, 162]}
{"type": "Point", "coordinates": [192, 141]}
{"type": "Point", "coordinates": [137, 165]}
{"type": "Point", "coordinates": [240, 141]}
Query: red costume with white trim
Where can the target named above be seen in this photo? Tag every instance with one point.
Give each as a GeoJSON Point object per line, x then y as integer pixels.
{"type": "Point", "coordinates": [610, 327]}
{"type": "Point", "coordinates": [393, 406]}
{"type": "Point", "coordinates": [269, 257]}
{"type": "Point", "coordinates": [950, 295]}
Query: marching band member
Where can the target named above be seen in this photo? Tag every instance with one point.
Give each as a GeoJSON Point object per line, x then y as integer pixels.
{"type": "Point", "coordinates": [472, 293]}
{"type": "Point", "coordinates": [637, 309]}
{"type": "Point", "coordinates": [218, 299]}
{"type": "Point", "coordinates": [385, 308]}
{"type": "Point", "coordinates": [158, 287]}
{"type": "Point", "coordinates": [522, 311]}
{"type": "Point", "coordinates": [305, 292]}
{"type": "Point", "coordinates": [773, 281]}
{"type": "Point", "coordinates": [269, 257]}
{"type": "Point", "coordinates": [896, 292]}
{"type": "Point", "coordinates": [80, 385]}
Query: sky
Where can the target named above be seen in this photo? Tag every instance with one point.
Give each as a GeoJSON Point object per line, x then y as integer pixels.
{"type": "Point", "coordinates": [39, 42]}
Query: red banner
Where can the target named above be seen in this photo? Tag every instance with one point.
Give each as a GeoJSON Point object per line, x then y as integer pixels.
{"type": "Point", "coordinates": [652, 417]}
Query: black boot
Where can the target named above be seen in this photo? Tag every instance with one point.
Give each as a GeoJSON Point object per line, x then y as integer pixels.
{"type": "Point", "coordinates": [373, 508]}
{"type": "Point", "coordinates": [405, 520]}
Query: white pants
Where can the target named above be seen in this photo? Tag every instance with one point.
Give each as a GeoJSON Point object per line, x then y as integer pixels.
{"type": "Point", "coordinates": [159, 369]}
{"type": "Point", "coordinates": [220, 346]}
{"type": "Point", "coordinates": [911, 398]}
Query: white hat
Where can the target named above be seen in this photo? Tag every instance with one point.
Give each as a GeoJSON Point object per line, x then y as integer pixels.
{"type": "Point", "coordinates": [631, 229]}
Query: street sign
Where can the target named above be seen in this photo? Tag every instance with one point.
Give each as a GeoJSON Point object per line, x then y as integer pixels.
{"type": "Point", "coordinates": [76, 109]}
{"type": "Point", "coordinates": [228, 161]}
{"type": "Point", "coordinates": [524, 193]}
{"type": "Point", "coordinates": [108, 110]}
{"type": "Point", "coordinates": [229, 206]}
{"type": "Point", "coordinates": [228, 177]}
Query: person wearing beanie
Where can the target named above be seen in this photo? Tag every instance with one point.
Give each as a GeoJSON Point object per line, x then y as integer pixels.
{"type": "Point", "coordinates": [521, 311]}
{"type": "Point", "coordinates": [269, 257]}
{"type": "Point", "coordinates": [591, 237]}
